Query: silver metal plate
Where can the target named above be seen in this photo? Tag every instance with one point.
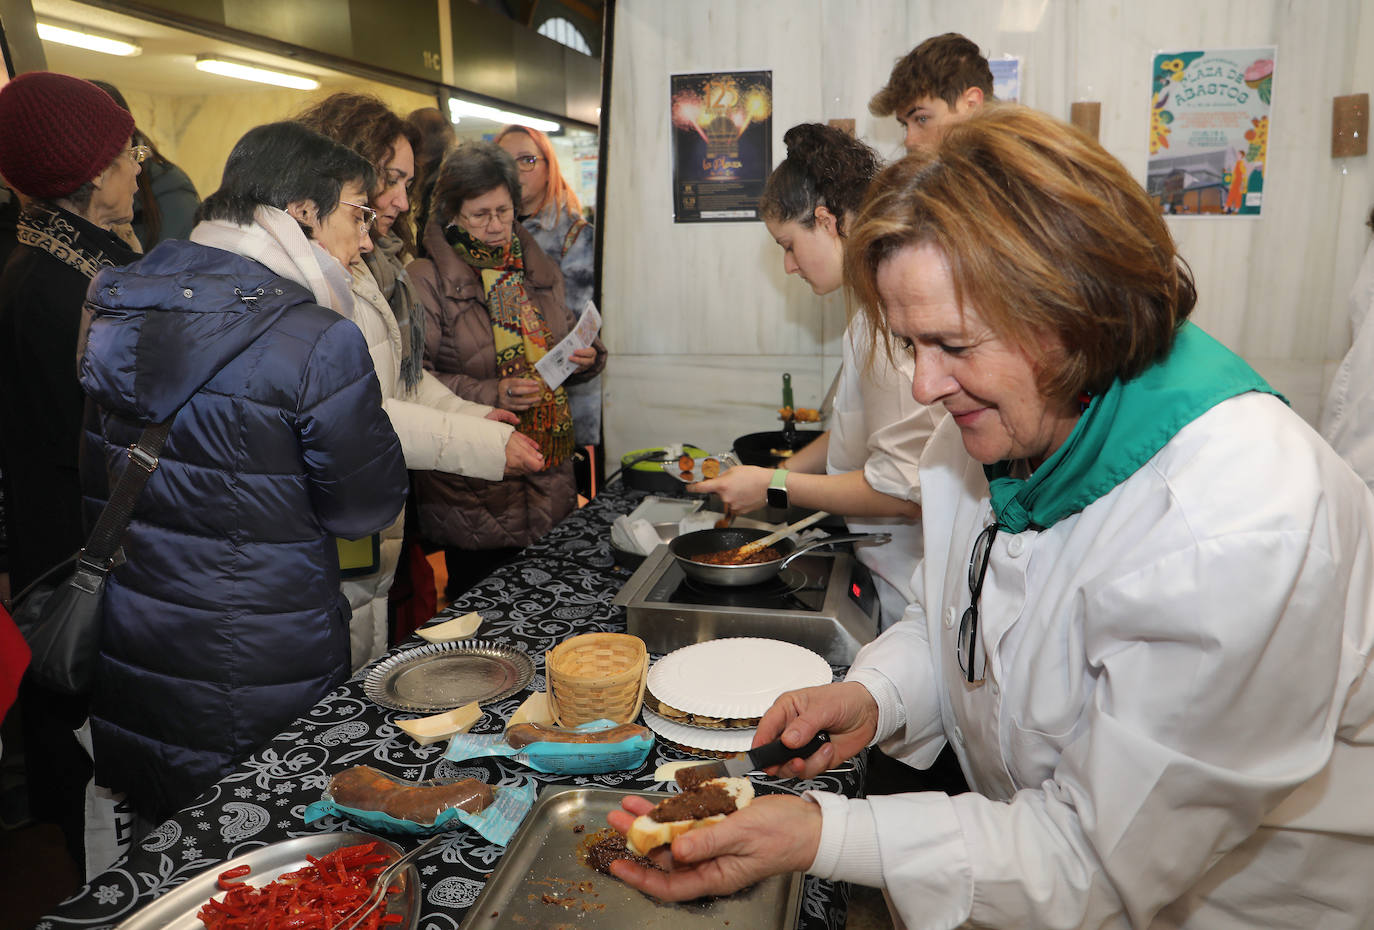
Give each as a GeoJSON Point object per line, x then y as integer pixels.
{"type": "Point", "coordinates": [177, 909]}
{"type": "Point", "coordinates": [542, 881]}
{"type": "Point", "coordinates": [442, 676]}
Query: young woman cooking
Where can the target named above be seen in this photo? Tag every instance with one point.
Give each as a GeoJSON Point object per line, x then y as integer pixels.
{"type": "Point", "coordinates": [864, 466]}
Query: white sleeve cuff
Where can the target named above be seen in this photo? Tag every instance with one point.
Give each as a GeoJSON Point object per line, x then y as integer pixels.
{"type": "Point", "coordinates": [891, 713]}
{"type": "Point", "coordinates": [848, 849]}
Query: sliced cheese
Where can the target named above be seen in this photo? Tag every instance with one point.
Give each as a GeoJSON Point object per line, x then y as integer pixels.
{"type": "Point", "coordinates": [426, 730]}
{"type": "Point", "coordinates": [534, 710]}
{"type": "Point", "coordinates": [450, 630]}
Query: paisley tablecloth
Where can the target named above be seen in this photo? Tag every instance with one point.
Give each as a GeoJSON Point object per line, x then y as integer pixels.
{"type": "Point", "coordinates": [559, 587]}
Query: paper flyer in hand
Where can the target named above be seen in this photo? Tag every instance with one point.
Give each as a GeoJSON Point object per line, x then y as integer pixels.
{"type": "Point", "coordinates": [557, 365]}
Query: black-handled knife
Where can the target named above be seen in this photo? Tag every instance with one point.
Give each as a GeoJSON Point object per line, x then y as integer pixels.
{"type": "Point", "coordinates": [757, 759]}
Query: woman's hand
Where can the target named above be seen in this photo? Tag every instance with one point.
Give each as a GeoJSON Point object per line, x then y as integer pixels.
{"type": "Point", "coordinates": [742, 489]}
{"type": "Point", "coordinates": [502, 416]}
{"type": "Point", "coordinates": [584, 358]}
{"type": "Point", "coordinates": [846, 710]}
{"type": "Point", "coordinates": [518, 394]}
{"type": "Point", "coordinates": [522, 455]}
{"type": "Point", "coordinates": [774, 835]}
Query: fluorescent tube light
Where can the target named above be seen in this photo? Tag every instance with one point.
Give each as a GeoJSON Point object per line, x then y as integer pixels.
{"type": "Point", "coordinates": [460, 108]}
{"type": "Point", "coordinates": [262, 75]}
{"type": "Point", "coordinates": [65, 35]}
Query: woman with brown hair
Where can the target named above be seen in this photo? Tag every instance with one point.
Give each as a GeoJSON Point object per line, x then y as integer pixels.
{"type": "Point", "coordinates": [1143, 621]}
{"type": "Point", "coordinates": [495, 307]}
{"type": "Point", "coordinates": [439, 431]}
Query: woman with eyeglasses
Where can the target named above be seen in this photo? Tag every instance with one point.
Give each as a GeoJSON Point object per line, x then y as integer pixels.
{"type": "Point", "coordinates": [496, 306]}
{"type": "Point", "coordinates": [439, 431]}
{"type": "Point", "coordinates": [226, 621]}
{"type": "Point", "coordinates": [67, 148]}
{"type": "Point", "coordinates": [1144, 617]}
{"type": "Point", "coordinates": [551, 211]}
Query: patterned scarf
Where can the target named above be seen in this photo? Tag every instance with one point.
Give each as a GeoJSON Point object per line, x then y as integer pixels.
{"type": "Point", "coordinates": [49, 228]}
{"type": "Point", "coordinates": [521, 335]}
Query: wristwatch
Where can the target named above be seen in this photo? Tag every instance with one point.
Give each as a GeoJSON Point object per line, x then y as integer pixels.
{"type": "Point", "coordinates": [777, 489]}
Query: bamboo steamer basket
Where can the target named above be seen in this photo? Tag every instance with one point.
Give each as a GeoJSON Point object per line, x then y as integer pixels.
{"type": "Point", "coordinates": [596, 675]}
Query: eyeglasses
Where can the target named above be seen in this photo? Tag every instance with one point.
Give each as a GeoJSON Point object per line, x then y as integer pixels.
{"type": "Point", "coordinates": [140, 153]}
{"type": "Point", "coordinates": [527, 162]}
{"type": "Point", "coordinates": [369, 214]}
{"type": "Point", "coordinates": [483, 220]}
{"type": "Point", "coordinates": [973, 661]}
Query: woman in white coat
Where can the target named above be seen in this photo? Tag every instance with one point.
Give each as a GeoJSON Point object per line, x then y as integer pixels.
{"type": "Point", "coordinates": [1144, 617]}
{"type": "Point", "coordinates": [1348, 414]}
{"type": "Point", "coordinates": [439, 430]}
{"type": "Point", "coordinates": [864, 466]}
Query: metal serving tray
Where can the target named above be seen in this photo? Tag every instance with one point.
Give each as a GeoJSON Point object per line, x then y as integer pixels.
{"type": "Point", "coordinates": [442, 676]}
{"type": "Point", "coordinates": [541, 881]}
{"type": "Point", "coordinates": [177, 909]}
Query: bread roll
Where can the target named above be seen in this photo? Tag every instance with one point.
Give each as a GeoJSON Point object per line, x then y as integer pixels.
{"type": "Point", "coordinates": [704, 804]}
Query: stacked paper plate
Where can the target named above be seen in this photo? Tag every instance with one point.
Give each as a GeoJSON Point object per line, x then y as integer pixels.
{"type": "Point", "coordinates": [709, 697]}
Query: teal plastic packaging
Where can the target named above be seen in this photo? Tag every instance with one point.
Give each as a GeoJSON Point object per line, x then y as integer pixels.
{"type": "Point", "coordinates": [496, 822]}
{"type": "Point", "coordinates": [559, 758]}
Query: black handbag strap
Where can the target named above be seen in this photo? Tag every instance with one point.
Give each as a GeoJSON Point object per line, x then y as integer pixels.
{"type": "Point", "coordinates": [114, 519]}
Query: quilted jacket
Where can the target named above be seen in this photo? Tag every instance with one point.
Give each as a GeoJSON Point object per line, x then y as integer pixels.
{"type": "Point", "coordinates": [471, 513]}
{"type": "Point", "coordinates": [226, 622]}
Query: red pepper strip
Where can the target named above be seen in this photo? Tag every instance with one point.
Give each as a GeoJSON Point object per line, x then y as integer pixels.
{"type": "Point", "coordinates": [393, 918]}
{"type": "Point", "coordinates": [226, 878]}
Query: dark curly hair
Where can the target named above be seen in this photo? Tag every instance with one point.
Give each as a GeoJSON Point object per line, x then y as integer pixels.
{"type": "Point", "coordinates": [368, 126]}
{"type": "Point", "coordinates": [824, 167]}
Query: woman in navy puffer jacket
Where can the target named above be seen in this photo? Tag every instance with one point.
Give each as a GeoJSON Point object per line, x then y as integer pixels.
{"type": "Point", "coordinates": [226, 622]}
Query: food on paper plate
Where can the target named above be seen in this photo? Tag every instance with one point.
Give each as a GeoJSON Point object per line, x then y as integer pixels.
{"type": "Point", "coordinates": [710, 468]}
{"type": "Point", "coordinates": [685, 462]}
{"type": "Point", "coordinates": [696, 720]}
{"type": "Point", "coordinates": [525, 734]}
{"type": "Point", "coordinates": [363, 788]}
{"type": "Point", "coordinates": [319, 895]}
{"type": "Point", "coordinates": [698, 806]}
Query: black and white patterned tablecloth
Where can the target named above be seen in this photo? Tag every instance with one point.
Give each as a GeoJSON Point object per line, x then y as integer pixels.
{"type": "Point", "coordinates": [559, 587]}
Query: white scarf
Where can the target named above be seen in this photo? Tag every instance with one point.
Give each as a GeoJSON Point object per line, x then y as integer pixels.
{"type": "Point", "coordinates": [275, 239]}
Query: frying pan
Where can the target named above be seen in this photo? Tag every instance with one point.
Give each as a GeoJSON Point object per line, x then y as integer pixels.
{"type": "Point", "coordinates": [757, 448]}
{"type": "Point", "coordinates": [703, 541]}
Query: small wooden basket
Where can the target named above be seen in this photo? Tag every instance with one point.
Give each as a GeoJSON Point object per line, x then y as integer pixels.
{"type": "Point", "coordinates": [596, 675]}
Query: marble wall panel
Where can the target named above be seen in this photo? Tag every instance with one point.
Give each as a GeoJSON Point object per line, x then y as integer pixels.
{"type": "Point", "coordinates": [1272, 288]}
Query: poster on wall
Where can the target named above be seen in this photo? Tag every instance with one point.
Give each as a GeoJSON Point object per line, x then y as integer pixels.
{"type": "Point", "coordinates": [722, 136]}
{"type": "Point", "coordinates": [1209, 131]}
{"type": "Point", "coordinates": [1006, 78]}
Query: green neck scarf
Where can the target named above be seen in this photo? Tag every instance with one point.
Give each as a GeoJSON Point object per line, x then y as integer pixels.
{"type": "Point", "coordinates": [1122, 430]}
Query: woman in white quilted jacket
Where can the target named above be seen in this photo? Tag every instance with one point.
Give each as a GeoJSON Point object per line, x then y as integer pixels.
{"type": "Point", "coordinates": [439, 431]}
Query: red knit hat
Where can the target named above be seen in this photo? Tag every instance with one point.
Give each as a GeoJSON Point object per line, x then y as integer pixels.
{"type": "Point", "coordinates": [57, 132]}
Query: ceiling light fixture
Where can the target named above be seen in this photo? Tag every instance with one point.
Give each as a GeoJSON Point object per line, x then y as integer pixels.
{"type": "Point", "coordinates": [460, 108]}
{"type": "Point", "coordinates": [78, 38]}
{"type": "Point", "coordinates": [257, 73]}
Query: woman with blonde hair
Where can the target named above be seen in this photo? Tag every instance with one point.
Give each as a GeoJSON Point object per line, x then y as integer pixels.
{"type": "Point", "coordinates": [551, 211]}
{"type": "Point", "coordinates": [1144, 618]}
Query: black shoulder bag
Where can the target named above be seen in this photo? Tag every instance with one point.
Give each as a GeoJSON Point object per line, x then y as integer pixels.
{"type": "Point", "coordinates": [59, 613]}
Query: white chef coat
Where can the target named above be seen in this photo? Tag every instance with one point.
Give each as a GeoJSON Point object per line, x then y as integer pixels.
{"type": "Point", "coordinates": [1175, 728]}
{"type": "Point", "coordinates": [1348, 414]}
{"type": "Point", "coordinates": [878, 427]}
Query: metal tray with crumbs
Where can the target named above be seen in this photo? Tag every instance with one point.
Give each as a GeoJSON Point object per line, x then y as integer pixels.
{"type": "Point", "coordinates": [442, 676]}
{"type": "Point", "coordinates": [542, 881]}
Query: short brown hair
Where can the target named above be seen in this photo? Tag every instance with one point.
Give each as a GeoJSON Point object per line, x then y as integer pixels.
{"type": "Point", "coordinates": [469, 171]}
{"type": "Point", "coordinates": [369, 127]}
{"type": "Point", "coordinates": [1045, 233]}
{"type": "Point", "coordinates": [942, 66]}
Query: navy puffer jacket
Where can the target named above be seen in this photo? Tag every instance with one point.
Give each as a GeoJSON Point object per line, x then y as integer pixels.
{"type": "Point", "coordinates": [226, 622]}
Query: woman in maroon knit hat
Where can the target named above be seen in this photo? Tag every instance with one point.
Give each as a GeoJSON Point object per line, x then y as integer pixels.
{"type": "Point", "coordinates": [66, 147]}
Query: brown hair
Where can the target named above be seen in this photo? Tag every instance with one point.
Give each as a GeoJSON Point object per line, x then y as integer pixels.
{"type": "Point", "coordinates": [1045, 233]}
{"type": "Point", "coordinates": [469, 171]}
{"type": "Point", "coordinates": [369, 127]}
{"type": "Point", "coordinates": [823, 167]}
{"type": "Point", "coordinates": [556, 187]}
{"type": "Point", "coordinates": [942, 66]}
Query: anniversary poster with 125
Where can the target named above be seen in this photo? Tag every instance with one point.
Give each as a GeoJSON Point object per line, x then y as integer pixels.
{"type": "Point", "coordinates": [722, 132]}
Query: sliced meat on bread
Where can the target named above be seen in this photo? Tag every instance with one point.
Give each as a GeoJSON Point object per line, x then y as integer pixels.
{"type": "Point", "coordinates": [699, 806]}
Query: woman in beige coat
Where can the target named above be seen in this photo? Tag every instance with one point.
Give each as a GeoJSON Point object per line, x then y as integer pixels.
{"type": "Point", "coordinates": [495, 305]}
{"type": "Point", "coordinates": [439, 431]}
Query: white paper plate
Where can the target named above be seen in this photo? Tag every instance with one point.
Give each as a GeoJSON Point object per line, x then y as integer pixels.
{"type": "Point", "coordinates": [737, 677]}
{"type": "Point", "coordinates": [699, 737]}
